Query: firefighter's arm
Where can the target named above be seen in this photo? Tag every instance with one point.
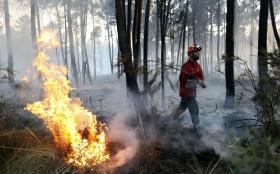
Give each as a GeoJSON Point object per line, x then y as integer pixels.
{"type": "Point", "coordinates": [182, 77]}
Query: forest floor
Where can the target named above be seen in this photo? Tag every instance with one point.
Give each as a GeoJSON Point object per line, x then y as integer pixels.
{"type": "Point", "coordinates": [174, 147]}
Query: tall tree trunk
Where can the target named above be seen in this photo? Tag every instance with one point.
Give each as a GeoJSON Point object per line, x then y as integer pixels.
{"type": "Point", "coordinates": [71, 41]}
{"type": "Point", "coordinates": [38, 17]}
{"type": "Point", "coordinates": [65, 38]}
{"type": "Point", "coordinates": [136, 32]}
{"type": "Point", "coordinates": [272, 17]}
{"type": "Point", "coordinates": [193, 21]}
{"type": "Point", "coordinates": [145, 48]}
{"type": "Point", "coordinates": [262, 43]}
{"type": "Point", "coordinates": [218, 35]}
{"type": "Point", "coordinates": [211, 41]}
{"type": "Point", "coordinates": [112, 50]}
{"type": "Point", "coordinates": [60, 34]}
{"type": "Point", "coordinates": [252, 34]}
{"type": "Point", "coordinates": [128, 19]}
{"type": "Point", "coordinates": [82, 42]}
{"type": "Point", "coordinates": [33, 25]}
{"type": "Point", "coordinates": [83, 26]}
{"type": "Point", "coordinates": [123, 24]}
{"type": "Point", "coordinates": [87, 65]}
{"type": "Point", "coordinates": [179, 46]}
{"type": "Point", "coordinates": [94, 44]}
{"type": "Point", "coordinates": [77, 46]}
{"type": "Point", "coordinates": [184, 30]}
{"type": "Point", "coordinates": [94, 56]}
{"type": "Point", "coordinates": [229, 63]}
{"type": "Point", "coordinates": [172, 48]}
{"type": "Point", "coordinates": [171, 41]}
{"type": "Point", "coordinates": [205, 54]}
{"type": "Point", "coordinates": [164, 14]}
{"type": "Point", "coordinates": [157, 35]}
{"type": "Point", "coordinates": [189, 35]}
{"type": "Point", "coordinates": [10, 68]}
{"type": "Point", "coordinates": [109, 47]}
{"type": "Point", "coordinates": [120, 69]}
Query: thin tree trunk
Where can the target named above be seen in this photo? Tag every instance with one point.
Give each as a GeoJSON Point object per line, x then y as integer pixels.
{"type": "Point", "coordinates": [193, 21]}
{"type": "Point", "coordinates": [145, 48]}
{"type": "Point", "coordinates": [272, 17]}
{"type": "Point", "coordinates": [60, 35]}
{"type": "Point", "coordinates": [10, 68]}
{"type": "Point", "coordinates": [109, 47]}
{"type": "Point", "coordinates": [66, 38]}
{"type": "Point", "coordinates": [87, 66]}
{"type": "Point", "coordinates": [251, 34]}
{"type": "Point", "coordinates": [179, 46]}
{"type": "Point", "coordinates": [119, 65]}
{"type": "Point", "coordinates": [119, 62]}
{"type": "Point", "coordinates": [211, 41]}
{"type": "Point", "coordinates": [87, 59]}
{"type": "Point", "coordinates": [112, 51]}
{"type": "Point", "coordinates": [86, 54]}
{"type": "Point", "coordinates": [189, 35]}
{"type": "Point", "coordinates": [218, 35]}
{"type": "Point", "coordinates": [38, 17]}
{"type": "Point", "coordinates": [157, 35]}
{"type": "Point", "coordinates": [71, 41]}
{"type": "Point", "coordinates": [77, 47]}
{"type": "Point", "coordinates": [33, 25]}
{"type": "Point", "coordinates": [162, 20]}
{"type": "Point", "coordinates": [229, 68]}
{"type": "Point", "coordinates": [76, 40]}
{"type": "Point", "coordinates": [136, 32]}
{"type": "Point", "coordinates": [164, 11]}
{"type": "Point", "coordinates": [94, 45]}
{"type": "Point", "coordinates": [172, 40]}
{"type": "Point", "coordinates": [262, 43]}
{"type": "Point", "coordinates": [129, 5]}
{"type": "Point", "coordinates": [184, 30]}
{"type": "Point", "coordinates": [172, 48]}
{"type": "Point", "coordinates": [83, 26]}
{"type": "Point", "coordinates": [205, 54]}
{"type": "Point", "coordinates": [94, 56]}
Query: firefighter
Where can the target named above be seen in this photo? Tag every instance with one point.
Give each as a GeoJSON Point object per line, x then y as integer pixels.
{"type": "Point", "coordinates": [191, 75]}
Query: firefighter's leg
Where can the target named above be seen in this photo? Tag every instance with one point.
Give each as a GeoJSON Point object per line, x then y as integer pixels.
{"type": "Point", "coordinates": [182, 107]}
{"type": "Point", "coordinates": [194, 111]}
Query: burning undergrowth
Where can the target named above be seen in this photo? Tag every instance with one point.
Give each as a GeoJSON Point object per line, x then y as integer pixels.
{"type": "Point", "coordinates": [78, 134]}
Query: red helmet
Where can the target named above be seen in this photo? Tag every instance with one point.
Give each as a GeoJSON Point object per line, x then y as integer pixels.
{"type": "Point", "coordinates": [194, 49]}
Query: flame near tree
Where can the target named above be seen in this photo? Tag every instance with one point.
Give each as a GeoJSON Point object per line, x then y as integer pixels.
{"type": "Point", "coordinates": [75, 129]}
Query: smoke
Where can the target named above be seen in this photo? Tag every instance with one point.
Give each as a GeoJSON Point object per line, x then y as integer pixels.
{"type": "Point", "coordinates": [214, 135]}
{"type": "Point", "coordinates": [120, 132]}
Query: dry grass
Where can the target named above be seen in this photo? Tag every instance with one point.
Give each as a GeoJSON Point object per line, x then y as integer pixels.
{"type": "Point", "coordinates": [24, 148]}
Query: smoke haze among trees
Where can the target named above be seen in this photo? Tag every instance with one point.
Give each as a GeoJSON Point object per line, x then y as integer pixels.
{"type": "Point", "coordinates": [138, 47]}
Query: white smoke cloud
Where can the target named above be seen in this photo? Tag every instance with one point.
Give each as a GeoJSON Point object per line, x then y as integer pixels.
{"type": "Point", "coordinates": [120, 132]}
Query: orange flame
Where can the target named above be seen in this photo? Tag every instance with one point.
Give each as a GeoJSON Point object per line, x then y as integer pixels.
{"type": "Point", "coordinates": [74, 128]}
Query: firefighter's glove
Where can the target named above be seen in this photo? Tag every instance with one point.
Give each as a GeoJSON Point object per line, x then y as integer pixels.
{"type": "Point", "coordinates": [203, 85]}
